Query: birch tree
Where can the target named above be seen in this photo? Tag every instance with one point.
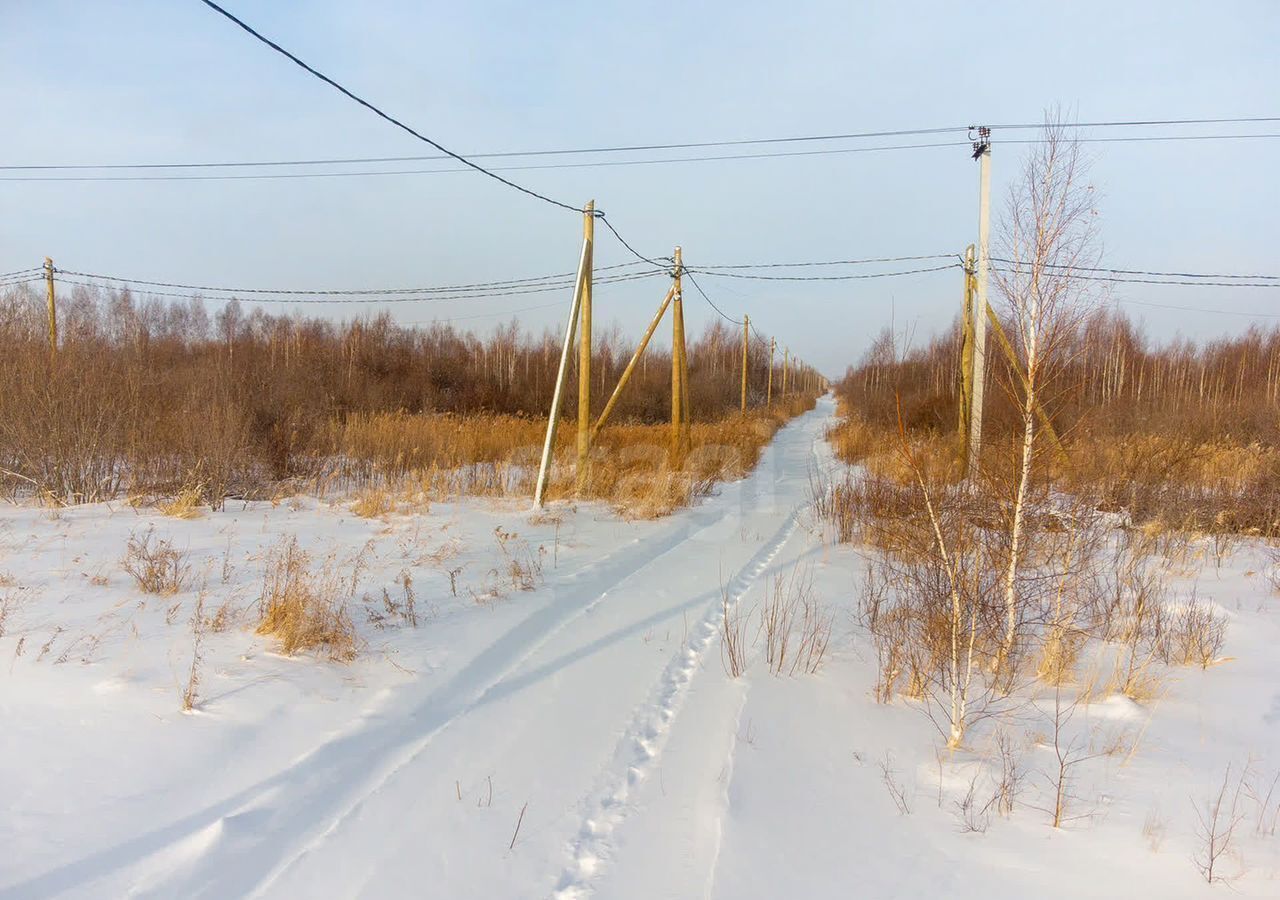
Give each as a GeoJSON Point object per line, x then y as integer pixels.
{"type": "Point", "coordinates": [1047, 237]}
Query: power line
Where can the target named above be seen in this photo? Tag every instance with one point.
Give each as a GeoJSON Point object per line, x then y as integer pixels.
{"type": "Point", "coordinates": [14, 282]}
{"type": "Point", "coordinates": [632, 148]}
{"type": "Point", "coordinates": [381, 299]}
{"type": "Point", "coordinates": [1229, 284]}
{"type": "Point", "coordinates": [711, 302]}
{"type": "Point", "coordinates": [857, 277]}
{"type": "Point", "coordinates": [570, 165]}
{"type": "Point", "coordinates": [512, 282]}
{"type": "Point", "coordinates": [369, 106]}
{"type": "Point", "coordinates": [277, 176]}
{"type": "Point", "coordinates": [632, 250]}
{"type": "Point", "coordinates": [830, 262]}
{"type": "Point", "coordinates": [1216, 312]}
{"type": "Point", "coordinates": [1198, 282]}
{"type": "Point", "coordinates": [1147, 272]}
{"type": "Point", "coordinates": [1235, 120]}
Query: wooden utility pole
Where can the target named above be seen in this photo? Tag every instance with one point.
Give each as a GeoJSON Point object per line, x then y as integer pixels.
{"type": "Point", "coordinates": [746, 325]}
{"type": "Point", "coordinates": [557, 396]}
{"type": "Point", "coordinates": [773, 345]}
{"type": "Point", "coordinates": [966, 362]}
{"type": "Point", "coordinates": [1002, 341]}
{"type": "Point", "coordinates": [677, 367]}
{"type": "Point", "coordinates": [982, 153]}
{"type": "Point", "coordinates": [53, 309]}
{"type": "Point", "coordinates": [584, 354]}
{"type": "Point", "coordinates": [786, 355]}
{"type": "Point", "coordinates": [635, 358]}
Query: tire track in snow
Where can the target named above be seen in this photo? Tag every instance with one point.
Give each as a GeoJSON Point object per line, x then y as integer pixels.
{"type": "Point", "coordinates": [731, 756]}
{"type": "Point", "coordinates": [371, 783]}
{"type": "Point", "coordinates": [239, 845]}
{"type": "Point", "coordinates": [325, 803]}
{"type": "Point", "coordinates": [641, 746]}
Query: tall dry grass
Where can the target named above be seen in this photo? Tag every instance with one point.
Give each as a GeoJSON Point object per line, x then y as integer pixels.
{"type": "Point", "coordinates": [306, 607]}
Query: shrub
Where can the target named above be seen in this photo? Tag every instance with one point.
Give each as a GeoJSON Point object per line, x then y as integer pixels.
{"type": "Point", "coordinates": [156, 565]}
{"type": "Point", "coordinates": [306, 609]}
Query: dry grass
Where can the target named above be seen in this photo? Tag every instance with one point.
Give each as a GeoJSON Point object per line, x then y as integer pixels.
{"type": "Point", "coordinates": [373, 503]}
{"type": "Point", "coordinates": [185, 504]}
{"type": "Point", "coordinates": [199, 625]}
{"type": "Point", "coordinates": [440, 456]}
{"type": "Point", "coordinates": [156, 565]}
{"type": "Point", "coordinates": [306, 608]}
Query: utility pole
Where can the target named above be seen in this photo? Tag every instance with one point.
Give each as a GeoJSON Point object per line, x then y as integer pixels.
{"type": "Point", "coordinates": [53, 309]}
{"type": "Point", "coordinates": [966, 362]}
{"type": "Point", "coordinates": [773, 345]}
{"type": "Point", "coordinates": [786, 354]}
{"type": "Point", "coordinates": [584, 354]}
{"type": "Point", "coordinates": [746, 325]}
{"type": "Point", "coordinates": [677, 365]}
{"type": "Point", "coordinates": [557, 396]}
{"type": "Point", "coordinates": [982, 153]}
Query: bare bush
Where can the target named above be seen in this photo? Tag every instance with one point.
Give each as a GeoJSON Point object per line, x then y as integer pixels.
{"type": "Point", "coordinates": [797, 630]}
{"type": "Point", "coordinates": [1009, 782]}
{"type": "Point", "coordinates": [1194, 635]}
{"type": "Point", "coordinates": [1266, 805]}
{"type": "Point", "coordinates": [897, 792]}
{"type": "Point", "coordinates": [1216, 821]}
{"type": "Point", "coordinates": [733, 635]}
{"type": "Point", "coordinates": [973, 815]}
{"type": "Point", "coordinates": [156, 565]}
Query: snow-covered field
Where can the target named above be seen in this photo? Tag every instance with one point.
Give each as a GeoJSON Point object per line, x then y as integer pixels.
{"type": "Point", "coordinates": [578, 739]}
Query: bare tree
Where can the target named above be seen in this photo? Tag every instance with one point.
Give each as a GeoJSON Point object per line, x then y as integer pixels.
{"type": "Point", "coordinates": [1047, 235]}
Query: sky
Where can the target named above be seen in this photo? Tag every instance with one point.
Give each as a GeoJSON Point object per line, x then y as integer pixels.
{"type": "Point", "coordinates": [111, 81]}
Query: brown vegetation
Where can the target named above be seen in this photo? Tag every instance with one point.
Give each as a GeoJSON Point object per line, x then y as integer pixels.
{"type": "Point", "coordinates": [1181, 435]}
{"type": "Point", "coordinates": [200, 408]}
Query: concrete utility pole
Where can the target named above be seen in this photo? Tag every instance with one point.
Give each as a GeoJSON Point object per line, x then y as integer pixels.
{"type": "Point", "coordinates": [982, 153]}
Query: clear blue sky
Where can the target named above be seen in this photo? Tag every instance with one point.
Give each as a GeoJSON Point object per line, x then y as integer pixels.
{"type": "Point", "coordinates": [116, 81]}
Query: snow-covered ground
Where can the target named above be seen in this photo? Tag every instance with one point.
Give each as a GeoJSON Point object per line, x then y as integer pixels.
{"type": "Point", "coordinates": [578, 739]}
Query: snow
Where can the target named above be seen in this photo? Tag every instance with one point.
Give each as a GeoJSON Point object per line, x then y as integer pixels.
{"type": "Point", "coordinates": [597, 703]}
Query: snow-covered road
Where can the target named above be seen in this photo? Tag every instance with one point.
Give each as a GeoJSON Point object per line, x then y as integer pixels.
{"type": "Point", "coordinates": [569, 710]}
